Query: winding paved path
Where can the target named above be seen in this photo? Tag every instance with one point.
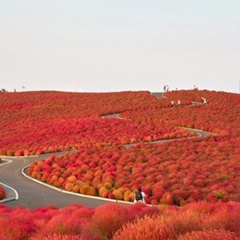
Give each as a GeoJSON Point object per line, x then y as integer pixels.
{"type": "Point", "coordinates": [27, 193]}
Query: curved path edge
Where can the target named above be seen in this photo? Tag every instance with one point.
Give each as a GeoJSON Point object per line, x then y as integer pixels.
{"type": "Point", "coordinates": [24, 170]}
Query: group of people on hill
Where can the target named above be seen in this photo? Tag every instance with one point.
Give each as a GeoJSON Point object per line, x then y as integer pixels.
{"type": "Point", "coordinates": [179, 103]}
{"type": "Point", "coordinates": [165, 88]}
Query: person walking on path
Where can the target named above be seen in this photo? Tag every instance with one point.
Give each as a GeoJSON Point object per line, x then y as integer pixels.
{"type": "Point", "coordinates": [140, 196]}
{"type": "Point", "coordinates": [204, 100]}
{"type": "Point", "coordinates": [179, 103]}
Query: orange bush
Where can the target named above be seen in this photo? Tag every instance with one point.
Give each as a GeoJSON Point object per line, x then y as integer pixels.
{"type": "Point", "coordinates": [117, 194]}
{"type": "Point", "coordinates": [91, 191]}
{"type": "Point", "coordinates": [72, 179]}
{"type": "Point", "coordinates": [84, 189]}
{"type": "Point", "coordinates": [69, 186]}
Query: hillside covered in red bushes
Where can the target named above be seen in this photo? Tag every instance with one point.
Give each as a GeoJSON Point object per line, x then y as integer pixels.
{"type": "Point", "coordinates": [184, 155]}
{"type": "Point", "coordinates": [176, 172]}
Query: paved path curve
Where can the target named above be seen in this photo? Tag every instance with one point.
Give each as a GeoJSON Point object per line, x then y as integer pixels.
{"type": "Point", "coordinates": [34, 195]}
{"type": "Point", "coordinates": [27, 193]}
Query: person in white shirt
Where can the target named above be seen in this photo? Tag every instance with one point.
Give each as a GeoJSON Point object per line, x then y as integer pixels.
{"type": "Point", "coordinates": [204, 100]}
{"type": "Point", "coordinates": [140, 196]}
{"type": "Point", "coordinates": [179, 103]}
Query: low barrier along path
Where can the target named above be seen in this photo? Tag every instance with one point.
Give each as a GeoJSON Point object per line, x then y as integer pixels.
{"type": "Point", "coordinates": [24, 191]}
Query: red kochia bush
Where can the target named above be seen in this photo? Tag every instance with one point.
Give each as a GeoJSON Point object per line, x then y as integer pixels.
{"type": "Point", "coordinates": [4, 209]}
{"type": "Point", "coordinates": [145, 228]}
{"type": "Point", "coordinates": [62, 224]}
{"type": "Point", "coordinates": [108, 219]}
{"type": "Point", "coordinates": [63, 237]}
{"type": "Point", "coordinates": [2, 194]}
{"type": "Point", "coordinates": [209, 235]}
{"type": "Point", "coordinates": [12, 228]}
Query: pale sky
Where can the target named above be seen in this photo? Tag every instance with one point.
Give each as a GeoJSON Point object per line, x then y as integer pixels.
{"type": "Point", "coordinates": [110, 45]}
